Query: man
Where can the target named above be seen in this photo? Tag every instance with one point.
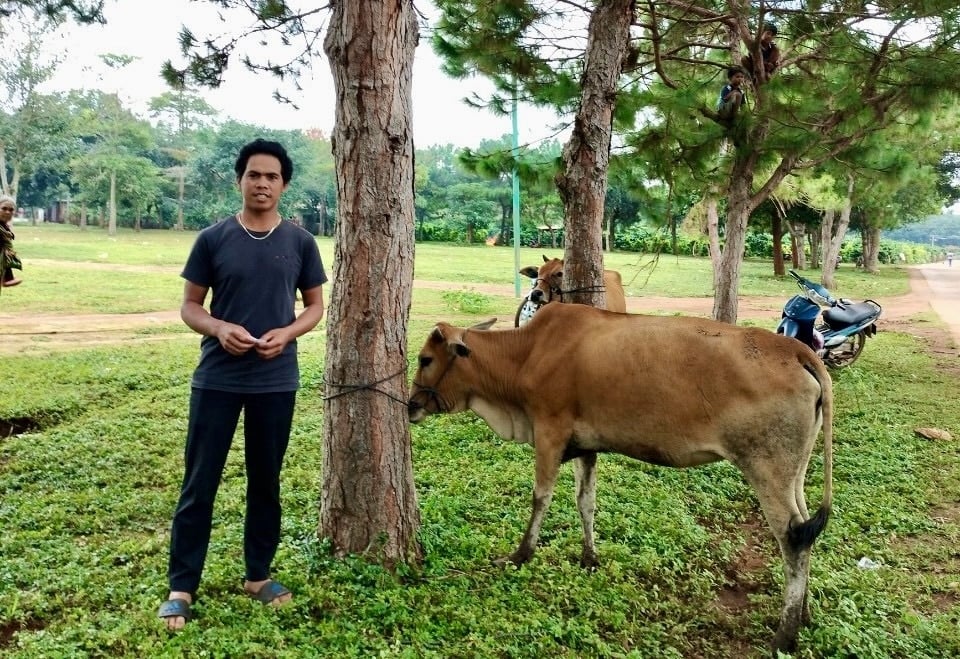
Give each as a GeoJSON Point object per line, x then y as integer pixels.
{"type": "Point", "coordinates": [253, 263]}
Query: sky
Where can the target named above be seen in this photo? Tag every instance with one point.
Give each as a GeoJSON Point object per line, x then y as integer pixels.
{"type": "Point", "coordinates": [149, 29]}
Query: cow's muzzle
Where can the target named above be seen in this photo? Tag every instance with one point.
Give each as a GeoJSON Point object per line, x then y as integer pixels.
{"type": "Point", "coordinates": [417, 411]}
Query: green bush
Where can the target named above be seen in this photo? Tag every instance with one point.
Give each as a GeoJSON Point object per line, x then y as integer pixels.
{"type": "Point", "coordinates": [467, 301]}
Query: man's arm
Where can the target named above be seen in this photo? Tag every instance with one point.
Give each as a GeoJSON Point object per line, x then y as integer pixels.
{"type": "Point", "coordinates": [312, 312]}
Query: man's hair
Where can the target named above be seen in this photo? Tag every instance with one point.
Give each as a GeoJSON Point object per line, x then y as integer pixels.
{"type": "Point", "coordinates": [6, 197]}
{"type": "Point", "coordinates": [771, 28]}
{"type": "Point", "coordinates": [265, 147]}
{"type": "Point", "coordinates": [734, 70]}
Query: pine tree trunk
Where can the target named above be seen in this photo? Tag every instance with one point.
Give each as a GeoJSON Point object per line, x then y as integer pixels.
{"type": "Point", "coordinates": [713, 231]}
{"type": "Point", "coordinates": [727, 275]}
{"type": "Point", "coordinates": [777, 230]}
{"type": "Point", "coordinates": [368, 500]}
{"type": "Point", "coordinates": [798, 239]}
{"type": "Point", "coordinates": [832, 238]}
{"type": "Point", "coordinates": [871, 249]}
{"type": "Point", "coordinates": [814, 238]}
{"type": "Point", "coordinates": [586, 156]}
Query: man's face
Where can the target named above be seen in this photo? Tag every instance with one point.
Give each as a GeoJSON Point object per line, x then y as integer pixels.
{"type": "Point", "coordinates": [737, 80]}
{"type": "Point", "coordinates": [766, 36]}
{"type": "Point", "coordinates": [262, 183]}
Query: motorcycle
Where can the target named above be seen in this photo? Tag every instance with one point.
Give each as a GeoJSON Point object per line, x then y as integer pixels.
{"type": "Point", "coordinates": [843, 327]}
{"type": "Point", "coordinates": [527, 307]}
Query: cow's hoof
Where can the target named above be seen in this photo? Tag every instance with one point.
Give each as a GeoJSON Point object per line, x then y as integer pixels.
{"type": "Point", "coordinates": [784, 642]}
{"type": "Point", "coordinates": [516, 558]}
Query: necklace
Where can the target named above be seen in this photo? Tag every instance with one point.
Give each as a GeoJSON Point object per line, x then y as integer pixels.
{"type": "Point", "coordinates": [244, 227]}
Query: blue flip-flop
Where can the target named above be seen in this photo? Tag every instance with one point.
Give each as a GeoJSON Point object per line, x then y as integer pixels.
{"type": "Point", "coordinates": [269, 592]}
{"type": "Point", "coordinates": [176, 608]}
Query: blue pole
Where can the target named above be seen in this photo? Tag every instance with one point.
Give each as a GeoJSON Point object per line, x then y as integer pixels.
{"type": "Point", "coordinates": [516, 201]}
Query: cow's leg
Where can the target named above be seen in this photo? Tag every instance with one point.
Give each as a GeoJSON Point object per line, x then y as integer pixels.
{"type": "Point", "coordinates": [548, 458]}
{"type": "Point", "coordinates": [585, 475]}
{"type": "Point", "coordinates": [775, 484]}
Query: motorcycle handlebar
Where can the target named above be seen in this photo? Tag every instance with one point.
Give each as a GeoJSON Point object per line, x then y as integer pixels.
{"type": "Point", "coordinates": [822, 292]}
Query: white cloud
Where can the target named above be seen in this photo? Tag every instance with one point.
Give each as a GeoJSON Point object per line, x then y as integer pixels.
{"type": "Point", "coordinates": [148, 30]}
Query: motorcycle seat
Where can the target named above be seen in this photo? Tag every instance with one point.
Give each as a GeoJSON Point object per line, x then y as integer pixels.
{"type": "Point", "coordinates": [851, 314]}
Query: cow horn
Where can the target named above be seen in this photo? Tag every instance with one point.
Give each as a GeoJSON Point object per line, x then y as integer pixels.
{"type": "Point", "coordinates": [485, 325]}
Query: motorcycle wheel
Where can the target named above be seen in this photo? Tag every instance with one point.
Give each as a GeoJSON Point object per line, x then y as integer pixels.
{"type": "Point", "coordinates": [847, 352]}
{"type": "Point", "coordinates": [524, 313]}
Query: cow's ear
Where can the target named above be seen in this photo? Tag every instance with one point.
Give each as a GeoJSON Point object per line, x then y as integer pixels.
{"type": "Point", "coordinates": [485, 325]}
{"type": "Point", "coordinates": [436, 335]}
{"type": "Point", "coordinates": [530, 272]}
{"type": "Point", "coordinates": [545, 259]}
{"type": "Point", "coordinates": [456, 347]}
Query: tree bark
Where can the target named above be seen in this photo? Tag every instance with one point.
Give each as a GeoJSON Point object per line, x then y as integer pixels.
{"type": "Point", "coordinates": [368, 499]}
{"type": "Point", "coordinates": [870, 237]}
{"type": "Point", "coordinates": [713, 232]}
{"type": "Point", "coordinates": [814, 238]}
{"type": "Point", "coordinates": [586, 156]}
{"type": "Point", "coordinates": [727, 275]}
{"type": "Point", "coordinates": [798, 240]}
{"type": "Point", "coordinates": [832, 238]}
{"type": "Point", "coordinates": [777, 231]}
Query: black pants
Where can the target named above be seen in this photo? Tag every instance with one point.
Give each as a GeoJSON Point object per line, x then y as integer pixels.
{"type": "Point", "coordinates": [213, 420]}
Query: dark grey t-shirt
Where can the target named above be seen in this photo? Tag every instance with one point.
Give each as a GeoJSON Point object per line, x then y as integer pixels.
{"type": "Point", "coordinates": [254, 284]}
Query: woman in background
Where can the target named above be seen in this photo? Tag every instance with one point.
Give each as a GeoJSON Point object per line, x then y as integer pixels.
{"type": "Point", "coordinates": [8, 258]}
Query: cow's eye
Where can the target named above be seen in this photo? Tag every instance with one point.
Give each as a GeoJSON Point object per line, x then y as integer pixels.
{"type": "Point", "coordinates": [425, 361]}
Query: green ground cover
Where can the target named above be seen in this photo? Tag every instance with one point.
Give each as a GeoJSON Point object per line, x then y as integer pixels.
{"type": "Point", "coordinates": [91, 474]}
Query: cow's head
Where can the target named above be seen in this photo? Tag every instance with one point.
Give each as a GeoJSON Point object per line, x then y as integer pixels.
{"type": "Point", "coordinates": [549, 284]}
{"type": "Point", "coordinates": [436, 386]}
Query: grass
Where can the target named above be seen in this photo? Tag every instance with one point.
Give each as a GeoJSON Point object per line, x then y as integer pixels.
{"type": "Point", "coordinates": [90, 480]}
{"type": "Point", "coordinates": [138, 272]}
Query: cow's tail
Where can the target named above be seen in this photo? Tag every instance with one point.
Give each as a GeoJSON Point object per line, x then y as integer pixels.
{"type": "Point", "coordinates": [803, 535]}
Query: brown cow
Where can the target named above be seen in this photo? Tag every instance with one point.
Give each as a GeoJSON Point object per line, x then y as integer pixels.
{"type": "Point", "coordinates": [674, 391]}
{"type": "Point", "coordinates": [549, 286]}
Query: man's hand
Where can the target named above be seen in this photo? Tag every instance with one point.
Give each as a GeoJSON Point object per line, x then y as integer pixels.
{"type": "Point", "coordinates": [272, 343]}
{"type": "Point", "coordinates": [235, 339]}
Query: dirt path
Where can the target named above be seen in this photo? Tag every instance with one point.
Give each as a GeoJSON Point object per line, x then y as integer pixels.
{"type": "Point", "coordinates": [934, 288]}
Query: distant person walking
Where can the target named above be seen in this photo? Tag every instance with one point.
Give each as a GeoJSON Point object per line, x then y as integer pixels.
{"type": "Point", "coordinates": [253, 263]}
{"type": "Point", "coordinates": [950, 259]}
{"type": "Point", "coordinates": [8, 258]}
